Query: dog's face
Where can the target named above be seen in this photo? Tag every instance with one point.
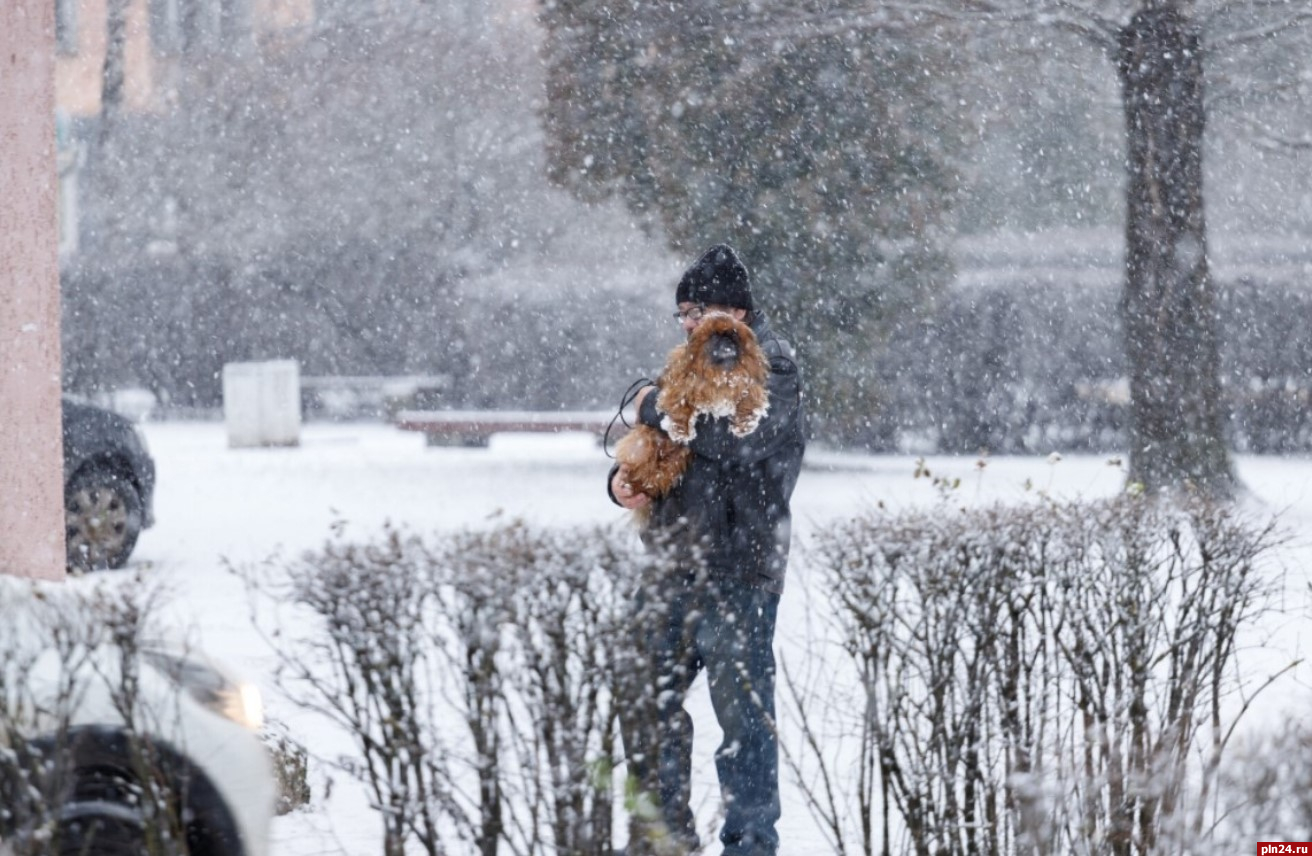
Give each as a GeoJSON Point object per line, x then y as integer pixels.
{"type": "Point", "coordinates": [717, 342]}
{"type": "Point", "coordinates": [723, 350]}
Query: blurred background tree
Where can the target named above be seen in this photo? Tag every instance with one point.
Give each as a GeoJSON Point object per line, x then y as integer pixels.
{"type": "Point", "coordinates": [821, 145]}
{"type": "Point", "coordinates": [935, 201]}
{"type": "Point", "coordinates": [365, 193]}
{"type": "Point", "coordinates": [1169, 307]}
{"type": "Point", "coordinates": [719, 123]}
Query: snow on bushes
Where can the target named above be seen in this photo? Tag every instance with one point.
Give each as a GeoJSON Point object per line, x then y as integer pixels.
{"type": "Point", "coordinates": [1051, 677]}
{"type": "Point", "coordinates": [1045, 677]}
{"type": "Point", "coordinates": [474, 672]}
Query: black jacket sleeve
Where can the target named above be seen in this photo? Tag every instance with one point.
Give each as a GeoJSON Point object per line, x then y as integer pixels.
{"type": "Point", "coordinates": [648, 414]}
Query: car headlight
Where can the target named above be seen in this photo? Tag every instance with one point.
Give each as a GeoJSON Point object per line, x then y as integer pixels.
{"type": "Point", "coordinates": [235, 700]}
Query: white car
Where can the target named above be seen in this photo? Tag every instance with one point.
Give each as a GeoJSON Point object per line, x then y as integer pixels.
{"type": "Point", "coordinates": [111, 743]}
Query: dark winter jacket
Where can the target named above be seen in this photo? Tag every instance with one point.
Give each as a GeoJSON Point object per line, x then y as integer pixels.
{"type": "Point", "coordinates": [733, 499]}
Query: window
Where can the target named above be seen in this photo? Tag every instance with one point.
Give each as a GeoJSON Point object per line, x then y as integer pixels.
{"type": "Point", "coordinates": [66, 27]}
{"type": "Point", "coordinates": [234, 21]}
{"type": "Point", "coordinates": [68, 160]}
{"type": "Point", "coordinates": [165, 26]}
{"type": "Point", "coordinates": [186, 26]}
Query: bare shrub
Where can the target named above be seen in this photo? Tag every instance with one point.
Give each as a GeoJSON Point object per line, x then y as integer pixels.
{"type": "Point", "coordinates": [290, 767]}
{"type": "Point", "coordinates": [564, 609]}
{"type": "Point", "coordinates": [1046, 678]}
{"type": "Point", "coordinates": [474, 674]}
{"type": "Point", "coordinates": [364, 668]}
{"type": "Point", "coordinates": [1264, 790]}
{"type": "Point", "coordinates": [34, 773]}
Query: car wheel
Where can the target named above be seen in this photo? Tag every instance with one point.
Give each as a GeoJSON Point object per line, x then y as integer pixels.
{"type": "Point", "coordinates": [102, 512]}
{"type": "Point", "coordinates": [103, 829]}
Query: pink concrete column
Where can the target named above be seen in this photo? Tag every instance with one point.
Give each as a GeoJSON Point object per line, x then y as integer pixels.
{"type": "Point", "coordinates": [31, 448]}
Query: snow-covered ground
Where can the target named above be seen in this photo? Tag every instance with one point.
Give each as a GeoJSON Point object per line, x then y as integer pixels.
{"type": "Point", "coordinates": [216, 505]}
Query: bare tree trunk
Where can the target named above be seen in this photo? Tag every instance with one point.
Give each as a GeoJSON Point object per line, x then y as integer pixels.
{"type": "Point", "coordinates": [1168, 308]}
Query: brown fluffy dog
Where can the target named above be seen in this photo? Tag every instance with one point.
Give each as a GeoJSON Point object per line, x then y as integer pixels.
{"type": "Point", "coordinates": [720, 371]}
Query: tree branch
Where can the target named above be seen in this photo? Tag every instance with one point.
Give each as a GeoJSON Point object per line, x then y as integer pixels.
{"type": "Point", "coordinates": [1244, 7]}
{"type": "Point", "coordinates": [1270, 140]}
{"type": "Point", "coordinates": [887, 18]}
{"type": "Point", "coordinates": [1263, 33]}
{"type": "Point", "coordinates": [1081, 21]}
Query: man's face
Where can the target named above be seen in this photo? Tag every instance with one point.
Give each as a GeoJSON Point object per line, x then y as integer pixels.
{"type": "Point", "coordinates": [691, 314]}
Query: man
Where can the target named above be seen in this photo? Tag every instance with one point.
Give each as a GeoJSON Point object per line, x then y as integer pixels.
{"type": "Point", "coordinates": [725, 531]}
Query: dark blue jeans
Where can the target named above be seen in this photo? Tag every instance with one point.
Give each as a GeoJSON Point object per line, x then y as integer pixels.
{"type": "Point", "coordinates": [726, 628]}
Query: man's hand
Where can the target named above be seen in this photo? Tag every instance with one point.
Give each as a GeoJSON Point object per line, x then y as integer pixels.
{"type": "Point", "coordinates": [625, 494]}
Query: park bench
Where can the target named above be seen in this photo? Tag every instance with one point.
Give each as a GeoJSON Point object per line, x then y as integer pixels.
{"type": "Point", "coordinates": [367, 397]}
{"type": "Point", "coordinates": [474, 427]}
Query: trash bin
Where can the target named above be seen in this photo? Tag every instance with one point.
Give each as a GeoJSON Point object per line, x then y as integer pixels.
{"type": "Point", "coordinates": [262, 403]}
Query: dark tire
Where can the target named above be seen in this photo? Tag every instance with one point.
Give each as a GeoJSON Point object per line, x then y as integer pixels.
{"type": "Point", "coordinates": [107, 813]}
{"type": "Point", "coordinates": [102, 513]}
{"type": "Point", "coordinates": [101, 829]}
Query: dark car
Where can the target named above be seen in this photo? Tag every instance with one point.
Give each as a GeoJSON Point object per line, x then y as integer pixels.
{"type": "Point", "coordinates": [109, 487]}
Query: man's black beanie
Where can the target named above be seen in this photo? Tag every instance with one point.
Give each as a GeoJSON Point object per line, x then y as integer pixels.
{"type": "Point", "coordinates": [718, 278]}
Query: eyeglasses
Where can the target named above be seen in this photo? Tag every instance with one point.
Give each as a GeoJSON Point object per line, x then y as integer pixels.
{"type": "Point", "coordinates": [692, 313]}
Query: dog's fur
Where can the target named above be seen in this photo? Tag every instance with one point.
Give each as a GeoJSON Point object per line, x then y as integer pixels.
{"type": "Point", "coordinates": [720, 371]}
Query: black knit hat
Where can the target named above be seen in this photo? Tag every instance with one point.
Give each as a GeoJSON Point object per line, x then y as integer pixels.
{"type": "Point", "coordinates": [718, 278]}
